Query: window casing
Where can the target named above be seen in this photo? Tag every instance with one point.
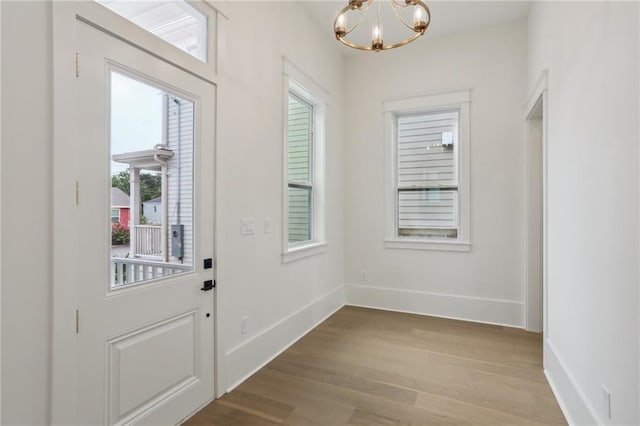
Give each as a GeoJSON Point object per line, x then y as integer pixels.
{"type": "Point", "coordinates": [427, 165]}
{"type": "Point", "coordinates": [303, 199]}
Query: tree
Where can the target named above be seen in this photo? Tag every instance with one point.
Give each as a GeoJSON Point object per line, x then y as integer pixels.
{"type": "Point", "coordinates": [150, 184]}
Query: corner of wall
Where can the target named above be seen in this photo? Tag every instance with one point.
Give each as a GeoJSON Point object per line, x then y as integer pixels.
{"type": "Point", "coordinates": [250, 356]}
{"type": "Point", "coordinates": [574, 405]}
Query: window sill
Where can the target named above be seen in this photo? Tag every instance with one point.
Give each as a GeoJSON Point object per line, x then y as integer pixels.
{"type": "Point", "coordinates": [301, 252]}
{"type": "Point", "coordinates": [462, 246]}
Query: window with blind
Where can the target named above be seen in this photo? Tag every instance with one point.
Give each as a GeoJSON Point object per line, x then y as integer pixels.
{"type": "Point", "coordinates": [299, 169]}
{"type": "Point", "coordinates": [427, 181]}
{"type": "Point", "coordinates": [427, 168]}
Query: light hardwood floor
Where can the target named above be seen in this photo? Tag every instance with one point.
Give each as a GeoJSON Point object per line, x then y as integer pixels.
{"type": "Point", "coordinates": [370, 367]}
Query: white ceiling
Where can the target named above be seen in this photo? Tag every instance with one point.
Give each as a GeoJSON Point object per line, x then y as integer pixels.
{"type": "Point", "coordinates": [447, 17]}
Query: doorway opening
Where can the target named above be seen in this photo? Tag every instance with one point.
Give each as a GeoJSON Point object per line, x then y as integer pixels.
{"type": "Point", "coordinates": [535, 183]}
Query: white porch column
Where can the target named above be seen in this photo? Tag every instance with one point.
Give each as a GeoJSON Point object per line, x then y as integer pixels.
{"type": "Point", "coordinates": [134, 198]}
{"type": "Point", "coordinates": [165, 213]}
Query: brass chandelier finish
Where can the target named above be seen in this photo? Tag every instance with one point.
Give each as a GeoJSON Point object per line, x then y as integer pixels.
{"type": "Point", "coordinates": [421, 21]}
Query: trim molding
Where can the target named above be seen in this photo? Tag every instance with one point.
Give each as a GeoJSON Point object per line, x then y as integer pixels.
{"type": "Point", "coordinates": [250, 356]}
{"type": "Point", "coordinates": [571, 399]}
{"type": "Point", "coordinates": [489, 311]}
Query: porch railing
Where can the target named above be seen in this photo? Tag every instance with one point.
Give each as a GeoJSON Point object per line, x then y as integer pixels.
{"type": "Point", "coordinates": [148, 240]}
{"type": "Point", "coordinates": [129, 271]}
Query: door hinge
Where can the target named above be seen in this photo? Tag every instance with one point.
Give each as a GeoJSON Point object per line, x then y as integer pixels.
{"type": "Point", "coordinates": [77, 321]}
{"type": "Point", "coordinates": [77, 64]}
{"type": "Point", "coordinates": [77, 193]}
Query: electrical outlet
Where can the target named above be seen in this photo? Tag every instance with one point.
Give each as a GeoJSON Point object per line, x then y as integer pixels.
{"type": "Point", "coordinates": [363, 276]}
{"type": "Point", "coordinates": [267, 226]}
{"type": "Point", "coordinates": [606, 402]}
{"type": "Point", "coordinates": [247, 226]}
{"type": "Point", "coordinates": [244, 325]}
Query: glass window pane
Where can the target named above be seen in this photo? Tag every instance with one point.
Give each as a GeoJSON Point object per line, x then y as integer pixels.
{"type": "Point", "coordinates": [152, 137]}
{"type": "Point", "coordinates": [173, 21]}
{"type": "Point", "coordinates": [299, 140]}
{"type": "Point", "coordinates": [299, 214]}
{"type": "Point", "coordinates": [428, 213]}
{"type": "Point", "coordinates": [426, 154]}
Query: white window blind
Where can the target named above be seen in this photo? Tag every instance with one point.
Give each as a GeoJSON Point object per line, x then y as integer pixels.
{"type": "Point", "coordinates": [427, 181]}
{"type": "Point", "coordinates": [299, 169]}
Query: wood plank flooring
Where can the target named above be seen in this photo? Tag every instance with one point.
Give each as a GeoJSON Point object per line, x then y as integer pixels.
{"type": "Point", "coordinates": [370, 367]}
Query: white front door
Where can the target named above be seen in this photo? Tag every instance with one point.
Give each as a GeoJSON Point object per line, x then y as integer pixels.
{"type": "Point", "coordinates": [146, 320]}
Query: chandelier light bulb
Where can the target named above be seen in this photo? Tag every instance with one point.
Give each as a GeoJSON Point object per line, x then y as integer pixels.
{"type": "Point", "coordinates": [341, 25]}
{"type": "Point", "coordinates": [419, 19]}
{"type": "Point", "coordinates": [376, 38]}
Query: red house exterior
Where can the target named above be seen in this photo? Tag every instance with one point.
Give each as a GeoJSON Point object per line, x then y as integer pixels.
{"type": "Point", "coordinates": [120, 207]}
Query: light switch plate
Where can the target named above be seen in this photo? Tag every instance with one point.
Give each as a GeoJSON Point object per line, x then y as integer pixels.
{"type": "Point", "coordinates": [247, 226]}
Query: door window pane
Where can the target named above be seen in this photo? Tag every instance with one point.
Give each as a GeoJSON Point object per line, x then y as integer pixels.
{"type": "Point", "coordinates": [152, 138]}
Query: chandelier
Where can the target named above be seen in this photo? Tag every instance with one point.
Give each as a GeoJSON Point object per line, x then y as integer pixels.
{"type": "Point", "coordinates": [359, 8]}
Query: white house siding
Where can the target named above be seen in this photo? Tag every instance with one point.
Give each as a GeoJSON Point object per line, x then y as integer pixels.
{"type": "Point", "coordinates": [182, 212]}
{"type": "Point", "coordinates": [299, 134]}
{"type": "Point", "coordinates": [152, 211]}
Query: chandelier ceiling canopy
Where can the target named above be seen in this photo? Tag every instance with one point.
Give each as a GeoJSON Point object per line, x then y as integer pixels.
{"type": "Point", "coordinates": [404, 10]}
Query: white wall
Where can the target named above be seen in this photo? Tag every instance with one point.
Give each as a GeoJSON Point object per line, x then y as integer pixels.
{"type": "Point", "coordinates": [486, 284]}
{"type": "Point", "coordinates": [279, 299]}
{"type": "Point", "coordinates": [591, 51]}
{"type": "Point", "coordinates": [26, 206]}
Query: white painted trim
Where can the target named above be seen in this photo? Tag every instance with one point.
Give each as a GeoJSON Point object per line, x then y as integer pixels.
{"type": "Point", "coordinates": [125, 30]}
{"type": "Point", "coordinates": [313, 93]}
{"type": "Point", "coordinates": [317, 91]}
{"type": "Point", "coordinates": [428, 245]}
{"type": "Point", "coordinates": [63, 390]}
{"type": "Point", "coordinates": [296, 253]}
{"type": "Point", "coordinates": [218, 6]}
{"type": "Point", "coordinates": [1, 209]}
{"type": "Point", "coordinates": [250, 356]}
{"type": "Point", "coordinates": [538, 94]}
{"type": "Point", "coordinates": [534, 96]}
{"type": "Point", "coordinates": [430, 100]}
{"type": "Point", "coordinates": [572, 401]}
{"type": "Point", "coordinates": [461, 100]}
{"type": "Point", "coordinates": [467, 308]}
{"type": "Point", "coordinates": [219, 296]}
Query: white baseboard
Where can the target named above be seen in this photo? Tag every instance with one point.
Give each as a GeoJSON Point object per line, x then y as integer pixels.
{"type": "Point", "coordinates": [488, 311]}
{"type": "Point", "coordinates": [250, 356]}
{"type": "Point", "coordinates": [571, 399]}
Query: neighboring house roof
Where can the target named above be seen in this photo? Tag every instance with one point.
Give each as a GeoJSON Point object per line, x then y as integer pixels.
{"type": "Point", "coordinates": [119, 198]}
{"type": "Point", "coordinates": [155, 200]}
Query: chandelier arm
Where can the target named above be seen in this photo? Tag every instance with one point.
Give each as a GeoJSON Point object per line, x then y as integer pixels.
{"type": "Point", "coordinates": [401, 43]}
{"type": "Point", "coordinates": [354, 46]}
{"type": "Point", "coordinates": [395, 7]}
{"type": "Point", "coordinates": [362, 15]}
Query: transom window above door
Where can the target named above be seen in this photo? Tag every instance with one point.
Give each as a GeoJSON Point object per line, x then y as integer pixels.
{"type": "Point", "coordinates": [176, 22]}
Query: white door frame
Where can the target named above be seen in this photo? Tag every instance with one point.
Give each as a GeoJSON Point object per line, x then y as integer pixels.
{"type": "Point", "coordinates": [0, 213]}
{"type": "Point", "coordinates": [63, 390]}
{"type": "Point", "coordinates": [537, 98]}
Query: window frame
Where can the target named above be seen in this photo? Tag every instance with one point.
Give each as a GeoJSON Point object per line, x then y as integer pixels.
{"type": "Point", "coordinates": [117, 222]}
{"type": "Point", "coordinates": [460, 101]}
{"type": "Point", "coordinates": [297, 83]}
